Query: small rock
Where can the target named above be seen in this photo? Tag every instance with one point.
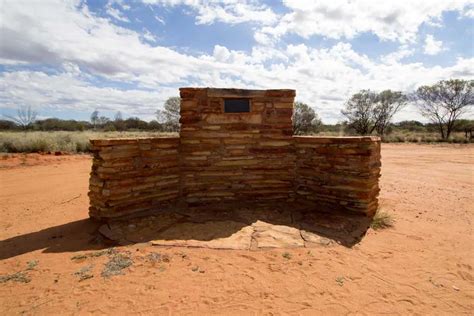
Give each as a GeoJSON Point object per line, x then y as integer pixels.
{"type": "Point", "coordinates": [455, 288]}
{"type": "Point", "coordinates": [165, 258]}
{"type": "Point", "coordinates": [340, 280]}
{"type": "Point", "coordinates": [324, 241]}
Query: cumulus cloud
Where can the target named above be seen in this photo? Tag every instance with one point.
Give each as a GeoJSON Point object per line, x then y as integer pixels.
{"type": "Point", "coordinates": [432, 46]}
{"type": "Point", "coordinates": [395, 57]}
{"type": "Point", "coordinates": [85, 49]}
{"type": "Point", "coordinates": [338, 19]}
{"type": "Point", "coordinates": [30, 35]}
{"type": "Point", "coordinates": [147, 35]}
{"type": "Point", "coordinates": [116, 13]}
{"type": "Point", "coordinates": [70, 91]}
{"type": "Point", "coordinates": [226, 11]}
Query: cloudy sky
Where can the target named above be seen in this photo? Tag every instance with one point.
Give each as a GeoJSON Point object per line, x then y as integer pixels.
{"type": "Point", "coordinates": [68, 58]}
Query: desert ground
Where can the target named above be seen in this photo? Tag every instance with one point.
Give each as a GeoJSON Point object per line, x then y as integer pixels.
{"type": "Point", "coordinates": [52, 260]}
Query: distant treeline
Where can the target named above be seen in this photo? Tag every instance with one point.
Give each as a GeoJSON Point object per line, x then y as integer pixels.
{"type": "Point", "coordinates": [411, 126]}
{"type": "Point", "coordinates": [55, 124]}
{"type": "Point", "coordinates": [136, 124]}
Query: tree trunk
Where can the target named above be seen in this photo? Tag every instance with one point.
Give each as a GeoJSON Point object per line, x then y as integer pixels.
{"type": "Point", "coordinates": [448, 131]}
{"type": "Point", "coordinates": [441, 130]}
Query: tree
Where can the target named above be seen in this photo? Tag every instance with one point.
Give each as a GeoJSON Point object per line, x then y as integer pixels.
{"type": "Point", "coordinates": [95, 118]}
{"type": "Point", "coordinates": [101, 121]}
{"type": "Point", "coordinates": [359, 111]}
{"type": "Point", "coordinates": [388, 103]}
{"type": "Point", "coordinates": [118, 116]}
{"type": "Point", "coordinates": [412, 126]}
{"type": "Point", "coordinates": [25, 116]}
{"type": "Point", "coordinates": [444, 102]}
{"type": "Point", "coordinates": [169, 116]}
{"type": "Point", "coordinates": [305, 120]}
{"type": "Point", "coordinates": [155, 125]}
{"type": "Point", "coordinates": [8, 125]}
{"type": "Point", "coordinates": [119, 123]}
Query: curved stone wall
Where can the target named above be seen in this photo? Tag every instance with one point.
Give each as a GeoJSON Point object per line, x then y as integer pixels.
{"type": "Point", "coordinates": [132, 176]}
{"type": "Point", "coordinates": [234, 158]}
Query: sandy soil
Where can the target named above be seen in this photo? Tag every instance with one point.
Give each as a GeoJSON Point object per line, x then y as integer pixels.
{"type": "Point", "coordinates": [423, 265]}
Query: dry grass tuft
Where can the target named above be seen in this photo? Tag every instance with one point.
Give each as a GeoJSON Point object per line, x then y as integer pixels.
{"type": "Point", "coordinates": [109, 251]}
{"type": "Point", "coordinates": [15, 277]}
{"type": "Point", "coordinates": [116, 264]}
{"type": "Point", "coordinates": [84, 273]}
{"type": "Point", "coordinates": [286, 255]}
{"type": "Point", "coordinates": [31, 264]}
{"type": "Point", "coordinates": [60, 141]}
{"type": "Point", "coordinates": [157, 257]}
{"type": "Point", "coordinates": [381, 220]}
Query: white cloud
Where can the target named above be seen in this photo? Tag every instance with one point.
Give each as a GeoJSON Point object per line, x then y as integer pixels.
{"type": "Point", "coordinates": [160, 19]}
{"type": "Point", "coordinates": [469, 11]}
{"type": "Point", "coordinates": [227, 11]}
{"type": "Point", "coordinates": [85, 48]}
{"type": "Point", "coordinates": [398, 55]}
{"type": "Point", "coordinates": [116, 13]}
{"type": "Point", "coordinates": [30, 35]}
{"type": "Point", "coordinates": [432, 46]}
{"type": "Point", "coordinates": [147, 35]}
{"type": "Point", "coordinates": [69, 92]}
{"type": "Point", "coordinates": [337, 19]}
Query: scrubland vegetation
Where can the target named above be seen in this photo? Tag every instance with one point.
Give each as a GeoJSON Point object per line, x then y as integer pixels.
{"type": "Point", "coordinates": [366, 113]}
{"type": "Point", "coordinates": [78, 142]}
{"type": "Point", "coordinates": [60, 141]}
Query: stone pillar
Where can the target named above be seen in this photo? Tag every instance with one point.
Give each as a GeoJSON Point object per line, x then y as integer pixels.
{"type": "Point", "coordinates": [244, 156]}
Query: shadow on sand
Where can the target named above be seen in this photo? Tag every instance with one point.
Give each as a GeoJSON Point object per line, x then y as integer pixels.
{"type": "Point", "coordinates": [245, 227]}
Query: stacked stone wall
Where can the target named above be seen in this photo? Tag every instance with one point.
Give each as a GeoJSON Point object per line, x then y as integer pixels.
{"type": "Point", "coordinates": [236, 156]}
{"type": "Point", "coordinates": [338, 173]}
{"type": "Point", "coordinates": [130, 176]}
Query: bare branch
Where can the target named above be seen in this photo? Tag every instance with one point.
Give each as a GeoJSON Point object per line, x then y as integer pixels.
{"type": "Point", "coordinates": [25, 116]}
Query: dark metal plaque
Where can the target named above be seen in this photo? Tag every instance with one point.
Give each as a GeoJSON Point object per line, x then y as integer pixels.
{"type": "Point", "coordinates": [236, 105]}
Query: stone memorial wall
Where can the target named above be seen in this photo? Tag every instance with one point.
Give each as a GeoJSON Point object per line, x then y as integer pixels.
{"type": "Point", "coordinates": [236, 156]}
{"type": "Point", "coordinates": [235, 146]}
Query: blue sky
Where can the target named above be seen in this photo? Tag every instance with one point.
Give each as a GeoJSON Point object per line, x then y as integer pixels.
{"type": "Point", "coordinates": [69, 58]}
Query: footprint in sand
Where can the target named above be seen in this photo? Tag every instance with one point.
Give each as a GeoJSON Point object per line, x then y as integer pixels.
{"type": "Point", "coordinates": [465, 275]}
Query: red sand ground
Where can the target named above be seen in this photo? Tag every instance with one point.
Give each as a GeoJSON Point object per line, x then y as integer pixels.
{"type": "Point", "coordinates": [423, 265]}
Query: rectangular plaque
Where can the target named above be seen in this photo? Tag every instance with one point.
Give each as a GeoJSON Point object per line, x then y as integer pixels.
{"type": "Point", "coordinates": [236, 105]}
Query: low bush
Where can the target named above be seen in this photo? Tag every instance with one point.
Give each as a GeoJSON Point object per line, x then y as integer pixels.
{"type": "Point", "coordinates": [71, 142]}
{"type": "Point", "coordinates": [381, 220]}
{"type": "Point", "coordinates": [423, 137]}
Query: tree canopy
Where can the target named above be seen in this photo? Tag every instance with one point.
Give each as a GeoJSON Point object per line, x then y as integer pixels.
{"type": "Point", "coordinates": [368, 111]}
{"type": "Point", "coordinates": [305, 120]}
{"type": "Point", "coordinates": [170, 114]}
{"type": "Point", "coordinates": [444, 102]}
